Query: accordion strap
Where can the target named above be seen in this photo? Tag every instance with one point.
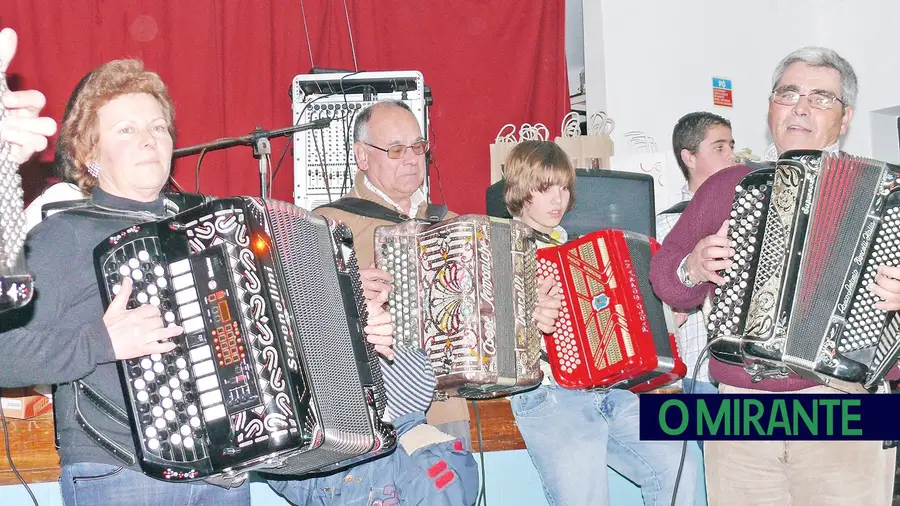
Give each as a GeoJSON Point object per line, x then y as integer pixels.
{"type": "Point", "coordinates": [109, 409]}
{"type": "Point", "coordinates": [362, 207]}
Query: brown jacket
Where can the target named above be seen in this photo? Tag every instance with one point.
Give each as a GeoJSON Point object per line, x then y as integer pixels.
{"type": "Point", "coordinates": [454, 408]}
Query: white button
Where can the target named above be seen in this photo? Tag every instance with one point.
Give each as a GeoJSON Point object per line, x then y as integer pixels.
{"type": "Point", "coordinates": [177, 395]}
{"type": "Point", "coordinates": [162, 282]}
{"type": "Point", "coordinates": [150, 431]}
{"type": "Point", "coordinates": [212, 284]}
{"type": "Point", "coordinates": [182, 282]}
{"type": "Point", "coordinates": [169, 316]}
{"type": "Point", "coordinates": [124, 270]}
{"type": "Point", "coordinates": [188, 442]}
{"type": "Point", "coordinates": [198, 355]}
{"type": "Point", "coordinates": [180, 362]}
{"type": "Point", "coordinates": [192, 325]}
{"type": "Point", "coordinates": [164, 391]}
{"type": "Point", "coordinates": [152, 290]}
{"type": "Point", "coordinates": [154, 301]}
{"type": "Point", "coordinates": [153, 444]}
{"type": "Point", "coordinates": [183, 375]}
{"type": "Point", "coordinates": [175, 439]}
{"type": "Point", "coordinates": [146, 363]}
{"type": "Point", "coordinates": [133, 263]}
{"type": "Point", "coordinates": [142, 298]}
{"type": "Point", "coordinates": [168, 403]}
{"type": "Point", "coordinates": [158, 270]}
{"type": "Point", "coordinates": [160, 423]}
{"type": "Point", "coordinates": [156, 357]}
{"type": "Point", "coordinates": [192, 410]}
{"type": "Point", "coordinates": [149, 376]}
{"type": "Point", "coordinates": [195, 422]}
{"type": "Point", "coordinates": [204, 368]}
{"type": "Point", "coordinates": [210, 398]}
{"type": "Point", "coordinates": [116, 289]}
{"type": "Point", "coordinates": [180, 267]}
{"type": "Point", "coordinates": [185, 296]}
{"type": "Point", "coordinates": [170, 415]}
{"type": "Point", "coordinates": [173, 382]}
{"type": "Point", "coordinates": [214, 413]}
{"type": "Point", "coordinates": [157, 411]}
{"type": "Point", "coordinates": [137, 275]}
{"type": "Point", "coordinates": [143, 396]}
{"type": "Point", "coordinates": [143, 256]}
{"type": "Point", "coordinates": [140, 384]}
{"type": "Point", "coordinates": [158, 368]}
{"type": "Point", "coordinates": [185, 430]}
{"type": "Point", "coordinates": [207, 383]}
{"type": "Point", "coordinates": [189, 310]}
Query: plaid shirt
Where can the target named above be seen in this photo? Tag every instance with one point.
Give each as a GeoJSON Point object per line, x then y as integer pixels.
{"type": "Point", "coordinates": [691, 336]}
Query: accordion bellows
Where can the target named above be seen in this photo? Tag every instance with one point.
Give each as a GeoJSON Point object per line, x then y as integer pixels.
{"type": "Point", "coordinates": [464, 291]}
{"type": "Point", "coordinates": [809, 235]}
{"type": "Point", "coordinates": [272, 372]}
{"type": "Point", "coordinates": [612, 328]}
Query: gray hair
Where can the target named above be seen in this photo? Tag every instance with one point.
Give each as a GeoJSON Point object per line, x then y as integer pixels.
{"type": "Point", "coordinates": [361, 127]}
{"type": "Point", "coordinates": [822, 57]}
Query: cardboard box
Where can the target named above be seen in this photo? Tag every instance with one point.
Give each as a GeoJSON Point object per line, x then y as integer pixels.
{"type": "Point", "coordinates": [23, 403]}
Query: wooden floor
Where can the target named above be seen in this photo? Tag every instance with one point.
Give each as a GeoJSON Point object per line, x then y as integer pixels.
{"type": "Point", "coordinates": [33, 452]}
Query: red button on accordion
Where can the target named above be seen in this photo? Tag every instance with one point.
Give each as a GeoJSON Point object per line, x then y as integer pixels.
{"type": "Point", "coordinates": [612, 328]}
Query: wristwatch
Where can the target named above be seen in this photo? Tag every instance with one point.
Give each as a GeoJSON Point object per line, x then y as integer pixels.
{"type": "Point", "coordinates": [683, 274]}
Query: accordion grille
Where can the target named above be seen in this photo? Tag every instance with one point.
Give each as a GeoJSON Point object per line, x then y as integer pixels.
{"type": "Point", "coordinates": [307, 255]}
{"type": "Point", "coordinates": [503, 292]}
{"type": "Point", "coordinates": [844, 193]}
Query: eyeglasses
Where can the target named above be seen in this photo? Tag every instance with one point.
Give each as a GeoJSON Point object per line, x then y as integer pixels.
{"type": "Point", "coordinates": [398, 150]}
{"type": "Point", "coordinates": [817, 99]}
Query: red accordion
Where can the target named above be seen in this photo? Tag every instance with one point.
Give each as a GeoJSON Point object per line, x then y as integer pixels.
{"type": "Point", "coordinates": [612, 329]}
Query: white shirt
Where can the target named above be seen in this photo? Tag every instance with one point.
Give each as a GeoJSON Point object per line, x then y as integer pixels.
{"type": "Point", "coordinates": [771, 154]}
{"type": "Point", "coordinates": [415, 200]}
{"type": "Point", "coordinates": [57, 193]}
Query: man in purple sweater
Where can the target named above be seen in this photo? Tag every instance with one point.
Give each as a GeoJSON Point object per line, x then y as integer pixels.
{"type": "Point", "coordinates": [811, 105]}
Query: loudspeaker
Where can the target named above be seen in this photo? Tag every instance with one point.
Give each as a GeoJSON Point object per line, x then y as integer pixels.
{"type": "Point", "coordinates": [885, 133]}
{"type": "Point", "coordinates": [603, 199]}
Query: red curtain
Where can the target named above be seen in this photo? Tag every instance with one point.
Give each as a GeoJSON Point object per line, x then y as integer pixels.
{"type": "Point", "coordinates": [229, 65]}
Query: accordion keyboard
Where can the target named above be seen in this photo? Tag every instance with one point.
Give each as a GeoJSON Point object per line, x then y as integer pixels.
{"type": "Point", "coordinates": [398, 258]}
{"type": "Point", "coordinates": [564, 337]}
{"type": "Point", "coordinates": [745, 230]}
{"type": "Point", "coordinates": [173, 406]}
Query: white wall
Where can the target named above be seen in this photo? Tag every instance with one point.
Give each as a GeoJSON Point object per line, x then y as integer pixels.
{"type": "Point", "coordinates": [649, 62]}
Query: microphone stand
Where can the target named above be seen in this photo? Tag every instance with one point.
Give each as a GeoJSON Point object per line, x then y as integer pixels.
{"type": "Point", "coordinates": [259, 140]}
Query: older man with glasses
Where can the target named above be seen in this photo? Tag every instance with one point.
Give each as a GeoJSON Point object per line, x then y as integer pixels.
{"type": "Point", "coordinates": [811, 105]}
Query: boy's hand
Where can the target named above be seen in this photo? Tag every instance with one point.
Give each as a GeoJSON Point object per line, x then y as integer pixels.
{"type": "Point", "coordinates": [546, 311]}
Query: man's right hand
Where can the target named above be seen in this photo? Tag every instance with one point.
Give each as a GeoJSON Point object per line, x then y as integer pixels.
{"type": "Point", "coordinates": [713, 253]}
{"type": "Point", "coordinates": [137, 332]}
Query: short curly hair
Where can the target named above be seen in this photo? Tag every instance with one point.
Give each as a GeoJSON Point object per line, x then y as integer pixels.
{"type": "Point", "coordinates": [103, 84]}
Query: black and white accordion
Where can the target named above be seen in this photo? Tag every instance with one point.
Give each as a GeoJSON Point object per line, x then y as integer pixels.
{"type": "Point", "coordinates": [16, 284]}
{"type": "Point", "coordinates": [809, 235]}
{"type": "Point", "coordinates": [464, 291]}
{"type": "Point", "coordinates": [272, 372]}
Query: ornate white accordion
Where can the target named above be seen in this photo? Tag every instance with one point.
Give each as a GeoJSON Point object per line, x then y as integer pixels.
{"type": "Point", "coordinates": [272, 372]}
{"type": "Point", "coordinates": [809, 236]}
{"type": "Point", "coordinates": [16, 284]}
{"type": "Point", "coordinates": [464, 290]}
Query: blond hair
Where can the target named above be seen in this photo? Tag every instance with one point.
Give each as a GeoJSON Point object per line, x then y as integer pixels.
{"type": "Point", "coordinates": [535, 166]}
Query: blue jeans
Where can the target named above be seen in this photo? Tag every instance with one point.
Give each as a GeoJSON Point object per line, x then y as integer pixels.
{"type": "Point", "coordinates": [572, 435]}
{"type": "Point", "coordinates": [699, 387]}
{"type": "Point", "coordinates": [434, 474]}
{"type": "Point", "coordinates": [88, 484]}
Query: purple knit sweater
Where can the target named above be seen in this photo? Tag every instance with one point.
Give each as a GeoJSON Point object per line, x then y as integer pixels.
{"type": "Point", "coordinates": [709, 208]}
